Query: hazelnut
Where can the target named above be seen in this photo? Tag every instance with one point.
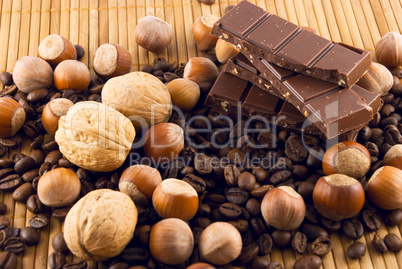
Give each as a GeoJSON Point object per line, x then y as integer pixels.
{"type": "Point", "coordinates": [174, 198]}
{"type": "Point", "coordinates": [388, 50]}
{"type": "Point", "coordinates": [140, 96]}
{"type": "Point", "coordinates": [201, 32]}
{"type": "Point", "coordinates": [220, 243]}
{"type": "Point", "coordinates": [378, 79]}
{"type": "Point", "coordinates": [139, 182]}
{"type": "Point", "coordinates": [338, 196]}
{"type": "Point", "coordinates": [59, 187]}
{"type": "Point", "coordinates": [171, 241]}
{"type": "Point", "coordinates": [185, 93]}
{"type": "Point", "coordinates": [348, 158]}
{"type": "Point", "coordinates": [12, 117]}
{"type": "Point", "coordinates": [163, 142]}
{"type": "Point", "coordinates": [225, 50]}
{"type": "Point", "coordinates": [54, 49]}
{"type": "Point", "coordinates": [112, 60]}
{"type": "Point", "coordinates": [310, 29]}
{"type": "Point", "coordinates": [71, 74]}
{"type": "Point", "coordinates": [52, 113]}
{"type": "Point", "coordinates": [32, 73]}
{"type": "Point", "coordinates": [393, 157]}
{"type": "Point", "coordinates": [385, 187]}
{"type": "Point", "coordinates": [153, 34]}
{"type": "Point", "coordinates": [100, 225]}
{"type": "Point", "coordinates": [200, 69]}
{"type": "Point", "coordinates": [94, 136]}
{"type": "Point", "coordinates": [200, 265]}
{"type": "Point", "coordinates": [283, 208]}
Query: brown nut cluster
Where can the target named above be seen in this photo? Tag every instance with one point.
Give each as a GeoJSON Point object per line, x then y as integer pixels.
{"type": "Point", "coordinates": [12, 117]}
{"type": "Point", "coordinates": [55, 48]}
{"type": "Point", "coordinates": [153, 34]}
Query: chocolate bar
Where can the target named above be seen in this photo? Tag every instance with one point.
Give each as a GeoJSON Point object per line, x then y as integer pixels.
{"type": "Point", "coordinates": [287, 45]}
{"type": "Point", "coordinates": [337, 112]}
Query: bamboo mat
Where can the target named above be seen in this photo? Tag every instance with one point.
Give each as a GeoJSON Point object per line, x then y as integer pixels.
{"type": "Point", "coordinates": [90, 23]}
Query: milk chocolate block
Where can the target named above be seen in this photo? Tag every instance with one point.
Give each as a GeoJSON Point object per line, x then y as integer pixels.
{"type": "Point", "coordinates": [285, 44]}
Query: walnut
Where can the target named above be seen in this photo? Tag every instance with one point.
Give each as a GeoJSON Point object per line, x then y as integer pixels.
{"type": "Point", "coordinates": [95, 137]}
{"type": "Point", "coordinates": [140, 96]}
{"type": "Point", "coordinates": [100, 225]}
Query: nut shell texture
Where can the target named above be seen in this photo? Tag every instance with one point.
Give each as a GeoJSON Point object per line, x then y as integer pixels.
{"type": "Point", "coordinates": [100, 225]}
{"type": "Point", "coordinates": [140, 96]}
{"type": "Point", "coordinates": [94, 136]}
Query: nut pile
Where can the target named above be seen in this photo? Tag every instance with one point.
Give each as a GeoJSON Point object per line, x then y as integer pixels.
{"type": "Point", "coordinates": [210, 190]}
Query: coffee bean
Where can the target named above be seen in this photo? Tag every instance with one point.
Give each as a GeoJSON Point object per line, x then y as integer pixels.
{"type": "Point", "coordinates": [379, 243]}
{"type": "Point", "coordinates": [299, 172]}
{"type": "Point", "coordinates": [283, 163]}
{"type": "Point", "coordinates": [308, 262]}
{"type": "Point", "coordinates": [36, 95]}
{"type": "Point", "coordinates": [104, 183]}
{"type": "Point", "coordinates": [6, 163]}
{"type": "Point", "coordinates": [312, 215]}
{"type": "Point", "coordinates": [6, 172]}
{"type": "Point", "coordinates": [257, 226]}
{"type": "Point", "coordinates": [59, 244]}
{"type": "Point", "coordinates": [305, 189]}
{"type": "Point", "coordinates": [135, 255]}
{"type": "Point", "coordinates": [30, 175]}
{"type": "Point", "coordinates": [267, 139]}
{"type": "Point", "coordinates": [173, 169]}
{"type": "Point", "coordinates": [246, 181]}
{"type": "Point", "coordinates": [260, 263]}
{"type": "Point", "coordinates": [260, 174]}
{"type": "Point", "coordinates": [313, 231]}
{"type": "Point", "coordinates": [76, 265]}
{"type": "Point", "coordinates": [57, 260]}
{"type": "Point", "coordinates": [331, 225]}
{"type": "Point", "coordinates": [281, 238]}
{"type": "Point", "coordinates": [53, 157]}
{"type": "Point", "coordinates": [241, 225]}
{"type": "Point", "coordinates": [10, 183]}
{"type": "Point", "coordinates": [80, 51]}
{"type": "Point", "coordinates": [14, 245]}
{"type": "Point", "coordinates": [231, 174]}
{"type": "Point", "coordinates": [61, 213]}
{"type": "Point", "coordinates": [393, 242]}
{"type": "Point", "coordinates": [6, 78]}
{"type": "Point", "coordinates": [294, 149]}
{"type": "Point", "coordinates": [228, 8]}
{"type": "Point", "coordinates": [253, 206]}
{"type": "Point", "coordinates": [321, 246]}
{"type": "Point", "coordinates": [23, 192]}
{"type": "Point", "coordinates": [235, 195]}
{"type": "Point", "coordinates": [394, 217]}
{"type": "Point", "coordinates": [265, 244]}
{"type": "Point", "coordinates": [24, 165]}
{"type": "Point", "coordinates": [275, 265]}
{"type": "Point", "coordinates": [392, 135]}
{"type": "Point", "coordinates": [30, 236]}
{"type": "Point", "coordinates": [119, 265]}
{"type": "Point", "coordinates": [280, 177]}
{"type": "Point", "coordinates": [8, 260]}
{"type": "Point", "coordinates": [207, 2]}
{"type": "Point", "coordinates": [261, 191]}
{"type": "Point", "coordinates": [34, 204]}
{"type": "Point", "coordinates": [230, 210]}
{"type": "Point", "coordinates": [11, 142]}
{"type": "Point", "coordinates": [4, 222]}
{"type": "Point", "coordinates": [3, 208]}
{"type": "Point", "coordinates": [161, 64]}
{"type": "Point", "coordinates": [370, 220]}
{"type": "Point", "coordinates": [39, 221]}
{"type": "Point", "coordinates": [44, 168]}
{"type": "Point", "coordinates": [299, 242]}
{"type": "Point", "coordinates": [352, 228]}
{"type": "Point", "coordinates": [248, 254]}
{"type": "Point", "coordinates": [356, 250]}
{"type": "Point", "coordinates": [236, 156]}
{"type": "Point", "coordinates": [364, 134]}
{"type": "Point", "coordinates": [50, 145]}
{"type": "Point", "coordinates": [196, 182]}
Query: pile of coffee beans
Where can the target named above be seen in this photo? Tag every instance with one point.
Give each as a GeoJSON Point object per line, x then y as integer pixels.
{"type": "Point", "coordinates": [230, 166]}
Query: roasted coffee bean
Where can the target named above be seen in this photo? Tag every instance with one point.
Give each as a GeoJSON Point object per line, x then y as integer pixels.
{"type": "Point", "coordinates": [187, 170]}
{"type": "Point", "coordinates": [76, 265]}
{"type": "Point", "coordinates": [96, 89]}
{"type": "Point", "coordinates": [253, 206]}
{"type": "Point", "coordinates": [30, 236]}
{"type": "Point", "coordinates": [161, 64]}
{"type": "Point", "coordinates": [248, 238]}
{"type": "Point", "coordinates": [59, 244]}
{"type": "Point", "coordinates": [299, 242]}
{"type": "Point", "coordinates": [364, 134]}
{"type": "Point", "coordinates": [3, 208]}
{"type": "Point", "coordinates": [280, 177]}
{"type": "Point", "coordinates": [388, 121]}
{"type": "Point", "coordinates": [11, 142]}
{"type": "Point", "coordinates": [3, 150]}
{"type": "Point", "coordinates": [29, 111]}
{"type": "Point", "coordinates": [45, 167]}
{"type": "Point", "coordinates": [147, 69]}
{"type": "Point", "coordinates": [379, 243]}
{"type": "Point", "coordinates": [10, 183]}
{"type": "Point", "coordinates": [6, 78]}
{"type": "Point", "coordinates": [305, 189]}
{"type": "Point", "coordinates": [8, 91]}
{"type": "Point", "coordinates": [275, 265]}
{"type": "Point", "coordinates": [231, 174]}
{"type": "Point", "coordinates": [6, 163]}
{"type": "Point", "coordinates": [16, 157]}
{"type": "Point", "coordinates": [215, 200]}
{"type": "Point", "coordinates": [282, 163]}
{"type": "Point", "coordinates": [4, 222]}
{"type": "Point", "coordinates": [50, 145]}
{"type": "Point", "coordinates": [6, 172]}
{"type": "Point", "coordinates": [294, 149]}
{"type": "Point", "coordinates": [235, 195]}
{"type": "Point", "coordinates": [308, 262]}
{"type": "Point", "coordinates": [299, 172]}
{"type": "Point", "coordinates": [241, 225]}
{"type": "Point", "coordinates": [370, 220]}
{"type": "Point", "coordinates": [196, 182]}
{"type": "Point", "coordinates": [34, 204]}
{"type": "Point", "coordinates": [257, 226]}
{"type": "Point", "coordinates": [261, 191]}
{"type": "Point", "coordinates": [83, 174]}
{"type": "Point", "coordinates": [63, 162]}
{"type": "Point", "coordinates": [375, 120]}
{"type": "Point", "coordinates": [23, 192]}
{"type": "Point", "coordinates": [169, 76]}
{"type": "Point", "coordinates": [267, 139]}
{"type": "Point", "coordinates": [313, 231]}
{"type": "Point", "coordinates": [236, 156]}
{"type": "Point", "coordinates": [331, 225]}
{"type": "Point", "coordinates": [281, 238]}
{"type": "Point", "coordinates": [260, 263]}
{"type": "Point", "coordinates": [204, 210]}
{"type": "Point", "coordinates": [135, 255]}
{"type": "Point", "coordinates": [30, 175]}
{"type": "Point", "coordinates": [12, 232]}
{"type": "Point", "coordinates": [104, 183]}
{"type": "Point", "coordinates": [315, 155]}
{"type": "Point", "coordinates": [392, 135]}
{"type": "Point", "coordinates": [259, 173]}
{"type": "Point", "coordinates": [39, 221]}
{"type": "Point", "coordinates": [14, 245]}
{"type": "Point", "coordinates": [61, 213]}
{"type": "Point", "coordinates": [372, 148]}
{"type": "Point", "coordinates": [57, 260]}
{"type": "Point", "coordinates": [24, 165]}
{"type": "Point", "coordinates": [248, 254]}
{"type": "Point", "coordinates": [207, 2]}
{"type": "Point", "coordinates": [321, 246]}
{"type": "Point", "coordinates": [230, 210]}
{"type": "Point", "coordinates": [202, 222]}
{"type": "Point", "coordinates": [35, 182]}
{"type": "Point", "coordinates": [36, 95]}
{"type": "Point", "coordinates": [36, 144]}
{"type": "Point", "coordinates": [246, 181]}
{"type": "Point", "coordinates": [393, 217]}
{"type": "Point", "coordinates": [80, 51]}
{"type": "Point", "coordinates": [119, 265]}
{"type": "Point", "coordinates": [356, 250]}
{"type": "Point", "coordinates": [393, 242]}
{"type": "Point", "coordinates": [8, 260]}
{"type": "Point", "coordinates": [352, 228]}
{"type": "Point", "coordinates": [53, 157]}
{"type": "Point", "coordinates": [172, 171]}
{"type": "Point", "coordinates": [384, 148]}
{"type": "Point", "coordinates": [312, 215]}
{"type": "Point", "coordinates": [245, 143]}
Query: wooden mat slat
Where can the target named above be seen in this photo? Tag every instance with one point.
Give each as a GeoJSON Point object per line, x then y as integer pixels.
{"type": "Point", "coordinates": [341, 22]}
{"type": "Point", "coordinates": [312, 19]}
{"type": "Point", "coordinates": [301, 13]}
{"type": "Point", "coordinates": [371, 21]}
{"type": "Point", "coordinates": [55, 17]}
{"type": "Point", "coordinates": [362, 24]}
{"type": "Point", "coordinates": [331, 21]}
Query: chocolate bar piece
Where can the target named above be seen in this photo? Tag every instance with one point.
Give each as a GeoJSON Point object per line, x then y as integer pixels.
{"type": "Point", "coordinates": [287, 45]}
{"type": "Point", "coordinates": [336, 111]}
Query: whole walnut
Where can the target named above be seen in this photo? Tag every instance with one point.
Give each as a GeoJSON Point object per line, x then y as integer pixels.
{"type": "Point", "coordinates": [140, 96]}
{"type": "Point", "coordinates": [94, 136]}
{"type": "Point", "coordinates": [100, 225]}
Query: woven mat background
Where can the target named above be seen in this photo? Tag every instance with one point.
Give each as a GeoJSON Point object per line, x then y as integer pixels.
{"type": "Point", "coordinates": [90, 23]}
